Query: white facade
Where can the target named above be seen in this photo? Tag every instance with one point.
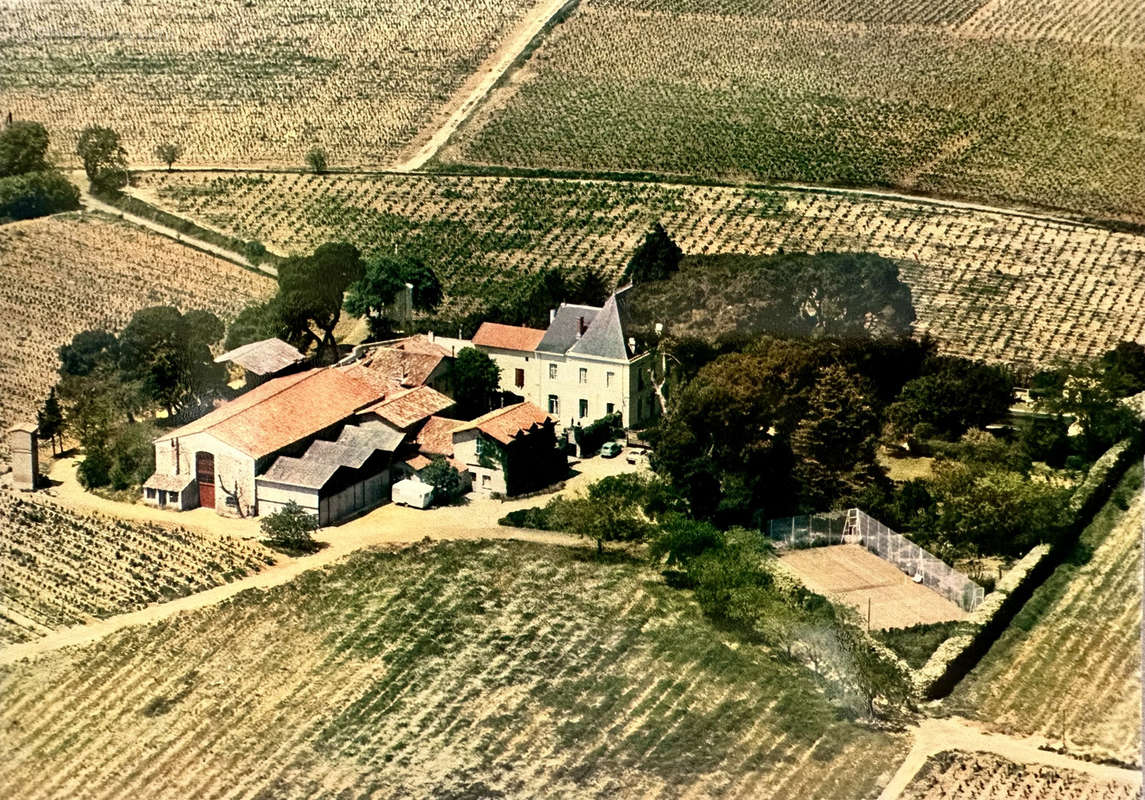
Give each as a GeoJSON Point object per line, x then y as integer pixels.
{"type": "Point", "coordinates": [578, 390]}
{"type": "Point", "coordinates": [520, 372]}
{"type": "Point", "coordinates": [234, 470]}
{"type": "Point", "coordinates": [486, 479]}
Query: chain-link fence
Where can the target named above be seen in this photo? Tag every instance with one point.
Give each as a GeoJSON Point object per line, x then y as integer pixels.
{"type": "Point", "coordinates": [839, 527]}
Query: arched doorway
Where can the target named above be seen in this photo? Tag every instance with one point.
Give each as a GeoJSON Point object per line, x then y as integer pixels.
{"type": "Point", "coordinates": [205, 475]}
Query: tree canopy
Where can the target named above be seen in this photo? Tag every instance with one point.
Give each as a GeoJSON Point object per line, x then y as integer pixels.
{"type": "Point", "coordinates": [384, 277]}
{"type": "Point", "coordinates": [310, 292]}
{"type": "Point", "coordinates": [475, 381]}
{"type": "Point", "coordinates": [655, 259]}
{"type": "Point", "coordinates": [104, 157]}
{"type": "Point", "coordinates": [23, 148]}
{"type": "Point", "coordinates": [952, 396]}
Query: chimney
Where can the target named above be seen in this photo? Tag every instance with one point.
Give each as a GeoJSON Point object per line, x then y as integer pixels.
{"type": "Point", "coordinates": [632, 344]}
{"type": "Point", "coordinates": [552, 315]}
{"type": "Point", "coordinates": [580, 327]}
{"type": "Point", "coordinates": [432, 338]}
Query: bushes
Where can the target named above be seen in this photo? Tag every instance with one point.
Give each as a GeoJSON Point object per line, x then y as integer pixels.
{"type": "Point", "coordinates": [291, 529]}
{"type": "Point", "coordinates": [446, 481]}
{"type": "Point", "coordinates": [36, 194]}
{"type": "Point", "coordinates": [591, 437]}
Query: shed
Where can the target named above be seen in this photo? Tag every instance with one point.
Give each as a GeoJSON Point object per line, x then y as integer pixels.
{"type": "Point", "coordinates": [261, 360]}
{"type": "Point", "coordinates": [166, 491]}
{"type": "Point", "coordinates": [412, 493]}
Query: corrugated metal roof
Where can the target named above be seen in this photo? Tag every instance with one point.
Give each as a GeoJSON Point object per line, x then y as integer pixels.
{"type": "Point", "coordinates": [323, 459]}
{"type": "Point", "coordinates": [263, 358]}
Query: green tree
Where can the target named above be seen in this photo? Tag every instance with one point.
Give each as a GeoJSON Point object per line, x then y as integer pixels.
{"type": "Point", "coordinates": [169, 355]}
{"type": "Point", "coordinates": [23, 148]}
{"type": "Point", "coordinates": [316, 160]}
{"type": "Point", "coordinates": [50, 420]}
{"type": "Point", "coordinates": [678, 539]}
{"type": "Point", "coordinates": [86, 351]}
{"type": "Point", "coordinates": [36, 194]}
{"type": "Point", "coordinates": [848, 294]}
{"type": "Point", "coordinates": [655, 259]}
{"type": "Point", "coordinates": [1123, 369]}
{"type": "Point", "coordinates": [953, 395]}
{"type": "Point", "coordinates": [446, 481]}
{"type": "Point", "coordinates": [104, 157]}
{"type": "Point", "coordinates": [475, 381]}
{"type": "Point", "coordinates": [290, 527]}
{"type": "Point", "coordinates": [590, 289]}
{"type": "Point", "coordinates": [256, 322]}
{"type": "Point", "coordinates": [872, 674]}
{"type": "Point", "coordinates": [168, 153]}
{"type": "Point", "coordinates": [384, 278]}
{"type": "Point", "coordinates": [311, 290]}
{"type": "Point", "coordinates": [834, 444]}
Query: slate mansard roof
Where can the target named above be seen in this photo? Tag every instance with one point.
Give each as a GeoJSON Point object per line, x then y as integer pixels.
{"type": "Point", "coordinates": [604, 333]}
{"type": "Point", "coordinates": [323, 459]}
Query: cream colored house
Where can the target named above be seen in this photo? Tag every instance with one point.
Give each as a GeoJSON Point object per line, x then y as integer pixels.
{"type": "Point", "coordinates": [583, 367]}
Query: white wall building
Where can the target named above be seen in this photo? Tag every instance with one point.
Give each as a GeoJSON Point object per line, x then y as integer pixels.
{"type": "Point", "coordinates": [584, 366]}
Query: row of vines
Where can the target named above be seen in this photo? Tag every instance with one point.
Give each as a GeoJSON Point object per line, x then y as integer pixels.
{"type": "Point", "coordinates": [65, 274]}
{"type": "Point", "coordinates": [993, 286]}
{"type": "Point", "coordinates": [61, 568]}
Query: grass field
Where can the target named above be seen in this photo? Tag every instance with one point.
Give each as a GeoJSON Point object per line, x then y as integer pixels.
{"type": "Point", "coordinates": [983, 776]}
{"type": "Point", "coordinates": [462, 670]}
{"type": "Point", "coordinates": [60, 568]}
{"type": "Point", "coordinates": [867, 583]}
{"type": "Point", "coordinates": [1012, 101]}
{"type": "Point", "coordinates": [65, 274]}
{"type": "Point", "coordinates": [246, 83]}
{"type": "Point", "coordinates": [986, 285]}
{"type": "Point", "coordinates": [1070, 664]}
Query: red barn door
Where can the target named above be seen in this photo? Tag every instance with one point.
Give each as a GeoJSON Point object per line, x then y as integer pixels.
{"type": "Point", "coordinates": [205, 474]}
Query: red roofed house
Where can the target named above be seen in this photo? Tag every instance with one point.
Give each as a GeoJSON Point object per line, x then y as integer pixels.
{"type": "Point", "coordinates": [436, 439]}
{"type": "Point", "coordinates": [512, 348]}
{"type": "Point", "coordinates": [511, 450]}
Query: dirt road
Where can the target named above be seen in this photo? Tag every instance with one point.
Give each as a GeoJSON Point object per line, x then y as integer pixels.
{"type": "Point", "coordinates": [956, 733]}
{"type": "Point", "coordinates": [388, 525]}
{"type": "Point", "coordinates": [479, 84]}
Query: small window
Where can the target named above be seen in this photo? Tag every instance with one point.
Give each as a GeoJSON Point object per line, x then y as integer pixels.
{"type": "Point", "coordinates": [520, 378]}
{"type": "Point", "coordinates": [484, 481]}
{"type": "Point", "coordinates": [151, 493]}
{"type": "Point", "coordinates": [584, 374]}
{"type": "Point", "coordinates": [608, 376]}
{"type": "Point", "coordinates": [610, 408]}
{"type": "Point", "coordinates": [554, 405]}
{"type": "Point", "coordinates": [583, 408]}
{"type": "Point", "coordinates": [552, 370]}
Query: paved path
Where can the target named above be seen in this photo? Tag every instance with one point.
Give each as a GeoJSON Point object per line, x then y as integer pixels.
{"type": "Point", "coordinates": [481, 82]}
{"type": "Point", "coordinates": [388, 525]}
{"type": "Point", "coordinates": [933, 736]}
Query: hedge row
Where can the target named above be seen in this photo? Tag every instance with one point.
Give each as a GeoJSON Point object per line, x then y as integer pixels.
{"type": "Point", "coordinates": [957, 655]}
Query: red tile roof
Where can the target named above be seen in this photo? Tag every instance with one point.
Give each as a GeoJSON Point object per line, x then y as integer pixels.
{"type": "Point", "coordinates": [403, 409]}
{"type": "Point", "coordinates": [283, 411]}
{"type": "Point", "coordinates": [506, 423]}
{"type": "Point", "coordinates": [393, 368]}
{"type": "Point", "coordinates": [508, 337]}
{"type": "Point", "coordinates": [436, 436]}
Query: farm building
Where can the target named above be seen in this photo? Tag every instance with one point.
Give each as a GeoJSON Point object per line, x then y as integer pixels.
{"type": "Point", "coordinates": [436, 439]}
{"type": "Point", "coordinates": [410, 362]}
{"type": "Point", "coordinates": [263, 360]}
{"type": "Point", "coordinates": [510, 450]}
{"type": "Point", "coordinates": [325, 438]}
{"type": "Point", "coordinates": [583, 367]}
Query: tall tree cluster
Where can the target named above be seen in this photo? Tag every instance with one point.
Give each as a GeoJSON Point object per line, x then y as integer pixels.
{"type": "Point", "coordinates": [29, 185]}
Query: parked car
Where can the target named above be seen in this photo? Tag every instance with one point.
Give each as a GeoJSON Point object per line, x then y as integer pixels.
{"type": "Point", "coordinates": [636, 457]}
{"type": "Point", "coordinates": [610, 449]}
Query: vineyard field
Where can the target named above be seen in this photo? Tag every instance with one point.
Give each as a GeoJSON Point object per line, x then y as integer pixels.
{"type": "Point", "coordinates": [473, 669]}
{"type": "Point", "coordinates": [255, 83]}
{"type": "Point", "coordinates": [1014, 102]}
{"type": "Point", "coordinates": [995, 286]}
{"type": "Point", "coordinates": [1070, 663]}
{"type": "Point", "coordinates": [65, 274]}
{"type": "Point", "coordinates": [983, 776]}
{"type": "Point", "coordinates": [61, 568]}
